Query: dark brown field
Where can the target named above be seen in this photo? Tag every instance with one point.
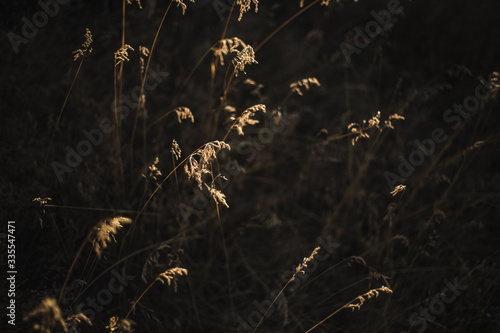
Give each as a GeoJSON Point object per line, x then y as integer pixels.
{"type": "Point", "coordinates": [250, 167]}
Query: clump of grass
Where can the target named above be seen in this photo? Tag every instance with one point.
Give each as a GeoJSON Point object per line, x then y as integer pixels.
{"type": "Point", "coordinates": [49, 317]}
{"type": "Point", "coordinates": [103, 232]}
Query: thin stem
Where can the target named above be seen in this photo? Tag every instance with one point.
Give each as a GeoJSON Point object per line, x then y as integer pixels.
{"type": "Point", "coordinates": [154, 192]}
{"type": "Point", "coordinates": [176, 179]}
{"type": "Point", "coordinates": [184, 83]}
{"type": "Point", "coordinates": [212, 77]}
{"type": "Point", "coordinates": [298, 270]}
{"type": "Point", "coordinates": [373, 293]}
{"type": "Point", "coordinates": [58, 234]}
{"type": "Point", "coordinates": [227, 21]}
{"type": "Point", "coordinates": [228, 269]}
{"type": "Point", "coordinates": [61, 112]}
{"type": "Point", "coordinates": [137, 301]}
{"type": "Point", "coordinates": [102, 209]}
{"type": "Point", "coordinates": [120, 73]}
{"type": "Point", "coordinates": [271, 35]}
{"type": "Point", "coordinates": [274, 301]}
{"type": "Point", "coordinates": [119, 262]}
{"type": "Point", "coordinates": [118, 129]}
{"type": "Point", "coordinates": [331, 315]}
{"type": "Point", "coordinates": [73, 264]}
{"type": "Point", "coordinates": [145, 76]}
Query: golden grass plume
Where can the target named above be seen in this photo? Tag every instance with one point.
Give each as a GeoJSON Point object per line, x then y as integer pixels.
{"type": "Point", "coordinates": [196, 169]}
{"type": "Point", "coordinates": [86, 48]}
{"type": "Point", "coordinates": [243, 58]}
{"type": "Point", "coordinates": [226, 46]}
{"type": "Point", "coordinates": [183, 5]}
{"type": "Point", "coordinates": [117, 325]}
{"type": "Point", "coordinates": [245, 6]}
{"type": "Point", "coordinates": [105, 230]}
{"type": "Point", "coordinates": [304, 83]}
{"type": "Point", "coordinates": [245, 118]}
{"type": "Point", "coordinates": [184, 113]}
{"type": "Point", "coordinates": [50, 317]}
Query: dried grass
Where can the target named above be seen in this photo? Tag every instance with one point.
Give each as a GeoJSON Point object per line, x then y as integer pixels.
{"type": "Point", "coordinates": [170, 276]}
{"type": "Point", "coordinates": [184, 113]}
{"type": "Point", "coordinates": [243, 58]}
{"type": "Point", "coordinates": [226, 46]}
{"type": "Point", "coordinates": [245, 118]}
{"type": "Point", "coordinates": [245, 6]}
{"type": "Point", "coordinates": [304, 83]}
{"type": "Point", "coordinates": [86, 48]}
{"type": "Point", "coordinates": [117, 325]}
{"type": "Point", "coordinates": [153, 171]}
{"type": "Point", "coordinates": [105, 230]}
{"type": "Point", "coordinates": [183, 5]}
{"type": "Point", "coordinates": [48, 317]}
{"type": "Point", "coordinates": [196, 169]}
{"type": "Point", "coordinates": [356, 303]}
{"type": "Point", "coordinates": [138, 3]}
{"type": "Point", "coordinates": [360, 131]}
{"type": "Point", "coordinates": [122, 54]}
{"type": "Point", "coordinates": [176, 150]}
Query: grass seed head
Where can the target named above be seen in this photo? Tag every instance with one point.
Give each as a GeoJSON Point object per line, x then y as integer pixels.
{"type": "Point", "coordinates": [86, 48]}
{"type": "Point", "coordinates": [245, 118]}
{"type": "Point", "coordinates": [105, 231]}
{"type": "Point", "coordinates": [183, 5]}
{"type": "Point", "coordinates": [50, 316]}
{"type": "Point", "coordinates": [243, 58]}
{"type": "Point", "coordinates": [245, 6]}
{"type": "Point", "coordinates": [122, 54]}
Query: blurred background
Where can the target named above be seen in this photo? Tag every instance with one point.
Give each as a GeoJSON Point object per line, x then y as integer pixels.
{"type": "Point", "coordinates": [294, 180]}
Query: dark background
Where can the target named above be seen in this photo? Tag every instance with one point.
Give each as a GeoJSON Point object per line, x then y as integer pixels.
{"type": "Point", "coordinates": [287, 188]}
